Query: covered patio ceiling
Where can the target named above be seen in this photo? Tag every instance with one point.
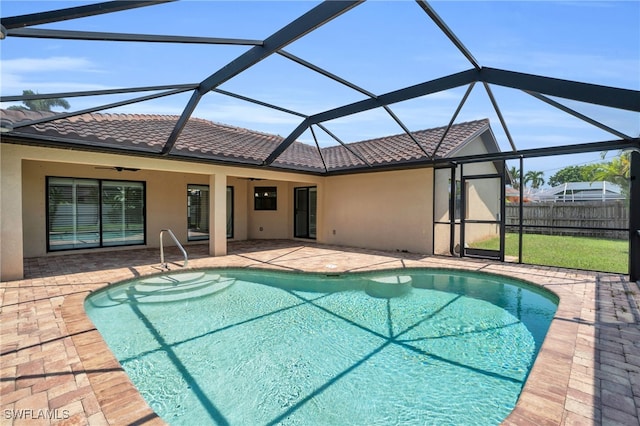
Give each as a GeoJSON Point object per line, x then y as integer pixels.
{"type": "Point", "coordinates": [548, 90]}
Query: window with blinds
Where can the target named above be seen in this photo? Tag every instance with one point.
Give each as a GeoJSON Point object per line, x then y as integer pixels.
{"type": "Point", "coordinates": [87, 213]}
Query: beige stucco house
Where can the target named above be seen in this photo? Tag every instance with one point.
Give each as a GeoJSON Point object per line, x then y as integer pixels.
{"type": "Point", "coordinates": [100, 182]}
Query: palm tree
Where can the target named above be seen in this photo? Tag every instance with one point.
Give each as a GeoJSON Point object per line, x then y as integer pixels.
{"type": "Point", "coordinates": [536, 179]}
{"type": "Point", "coordinates": [40, 104]}
{"type": "Point", "coordinates": [617, 171]}
{"type": "Point", "coordinates": [514, 173]}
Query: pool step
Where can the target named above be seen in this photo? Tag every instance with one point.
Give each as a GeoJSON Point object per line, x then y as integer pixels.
{"type": "Point", "coordinates": [176, 287]}
{"type": "Point", "coordinates": [389, 286]}
{"type": "Point", "coordinates": [163, 289]}
{"type": "Point", "coordinates": [175, 280]}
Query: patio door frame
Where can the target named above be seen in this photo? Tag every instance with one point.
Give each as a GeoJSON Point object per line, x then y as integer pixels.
{"type": "Point", "coordinates": [465, 222]}
{"type": "Point", "coordinates": [310, 211]}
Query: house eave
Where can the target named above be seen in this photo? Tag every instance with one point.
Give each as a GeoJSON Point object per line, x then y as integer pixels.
{"type": "Point", "coordinates": [472, 137]}
{"type": "Point", "coordinates": [386, 167]}
{"type": "Point", "coordinates": [65, 144]}
{"type": "Point", "coordinates": [72, 145]}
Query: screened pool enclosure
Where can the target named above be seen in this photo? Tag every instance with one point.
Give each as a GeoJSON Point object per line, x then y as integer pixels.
{"type": "Point", "coordinates": [231, 73]}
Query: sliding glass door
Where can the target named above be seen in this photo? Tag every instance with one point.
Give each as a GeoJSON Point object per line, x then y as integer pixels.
{"type": "Point", "coordinates": [305, 205]}
{"type": "Point", "coordinates": [88, 213]}
{"type": "Point", "coordinates": [198, 212]}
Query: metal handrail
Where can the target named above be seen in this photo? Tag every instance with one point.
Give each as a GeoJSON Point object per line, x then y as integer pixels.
{"type": "Point", "coordinates": [162, 262]}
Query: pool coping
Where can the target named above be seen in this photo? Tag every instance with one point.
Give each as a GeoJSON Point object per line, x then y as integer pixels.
{"type": "Point", "coordinates": [588, 368]}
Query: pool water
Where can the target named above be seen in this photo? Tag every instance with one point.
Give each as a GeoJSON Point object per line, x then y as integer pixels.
{"type": "Point", "coordinates": [245, 347]}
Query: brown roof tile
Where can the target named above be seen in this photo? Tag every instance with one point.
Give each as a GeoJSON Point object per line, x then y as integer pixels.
{"type": "Point", "coordinates": [204, 139]}
{"type": "Point", "coordinates": [401, 148]}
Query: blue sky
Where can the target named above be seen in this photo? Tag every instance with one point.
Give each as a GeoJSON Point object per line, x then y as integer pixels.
{"type": "Point", "coordinates": [380, 46]}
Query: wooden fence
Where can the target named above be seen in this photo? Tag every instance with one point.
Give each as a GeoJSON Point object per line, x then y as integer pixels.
{"type": "Point", "coordinates": [589, 216]}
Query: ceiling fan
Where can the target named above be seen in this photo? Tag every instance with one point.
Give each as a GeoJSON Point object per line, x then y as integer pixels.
{"type": "Point", "coordinates": [119, 169]}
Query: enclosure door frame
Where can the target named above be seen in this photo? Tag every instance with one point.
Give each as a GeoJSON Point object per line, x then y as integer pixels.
{"type": "Point", "coordinates": [467, 222]}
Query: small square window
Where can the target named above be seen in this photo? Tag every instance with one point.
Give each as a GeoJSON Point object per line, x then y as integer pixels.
{"type": "Point", "coordinates": [265, 198]}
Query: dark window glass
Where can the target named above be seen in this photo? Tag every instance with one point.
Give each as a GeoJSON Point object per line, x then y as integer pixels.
{"type": "Point", "coordinates": [458, 200]}
{"type": "Point", "coordinates": [229, 211]}
{"type": "Point", "coordinates": [265, 198]}
{"type": "Point", "coordinates": [305, 200]}
{"type": "Point", "coordinates": [198, 212]}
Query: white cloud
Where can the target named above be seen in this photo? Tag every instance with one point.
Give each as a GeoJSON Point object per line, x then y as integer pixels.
{"type": "Point", "coordinates": [46, 75]}
{"type": "Point", "coordinates": [246, 113]}
{"type": "Point", "coordinates": [44, 65]}
{"type": "Point", "coordinates": [144, 108]}
{"type": "Point", "coordinates": [591, 68]}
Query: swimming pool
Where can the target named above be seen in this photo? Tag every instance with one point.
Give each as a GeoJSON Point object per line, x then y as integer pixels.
{"type": "Point", "coordinates": [410, 346]}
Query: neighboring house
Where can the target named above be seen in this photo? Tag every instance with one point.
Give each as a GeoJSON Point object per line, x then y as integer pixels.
{"type": "Point", "coordinates": [581, 191]}
{"type": "Point", "coordinates": [100, 182]}
{"type": "Point", "coordinates": [513, 196]}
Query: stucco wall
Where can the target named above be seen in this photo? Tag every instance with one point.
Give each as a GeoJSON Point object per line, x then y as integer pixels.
{"type": "Point", "coordinates": [275, 224]}
{"type": "Point", "coordinates": [390, 210]}
{"type": "Point", "coordinates": [166, 199]}
{"type": "Point", "coordinates": [270, 224]}
{"type": "Point", "coordinates": [166, 203]}
{"type": "Point", "coordinates": [240, 213]}
{"type": "Point", "coordinates": [23, 207]}
{"type": "Point", "coordinates": [387, 210]}
{"type": "Point", "coordinates": [11, 223]}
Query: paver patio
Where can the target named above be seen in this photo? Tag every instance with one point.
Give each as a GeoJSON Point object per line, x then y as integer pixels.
{"type": "Point", "coordinates": [56, 369]}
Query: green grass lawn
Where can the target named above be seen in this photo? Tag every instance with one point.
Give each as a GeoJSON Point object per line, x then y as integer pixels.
{"type": "Point", "coordinates": [572, 252]}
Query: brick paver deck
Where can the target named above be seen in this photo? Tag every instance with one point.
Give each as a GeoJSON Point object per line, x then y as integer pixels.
{"type": "Point", "coordinates": [56, 369]}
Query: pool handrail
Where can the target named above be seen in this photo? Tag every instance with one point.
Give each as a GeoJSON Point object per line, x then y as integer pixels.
{"type": "Point", "coordinates": [164, 264]}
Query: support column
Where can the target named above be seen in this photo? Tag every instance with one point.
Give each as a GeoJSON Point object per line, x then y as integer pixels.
{"type": "Point", "coordinates": [218, 215]}
{"type": "Point", "coordinates": [634, 217]}
{"type": "Point", "coordinates": [11, 243]}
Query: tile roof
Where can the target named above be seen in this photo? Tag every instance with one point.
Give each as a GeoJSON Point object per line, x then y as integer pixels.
{"type": "Point", "coordinates": [401, 148]}
{"type": "Point", "coordinates": [203, 139]}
